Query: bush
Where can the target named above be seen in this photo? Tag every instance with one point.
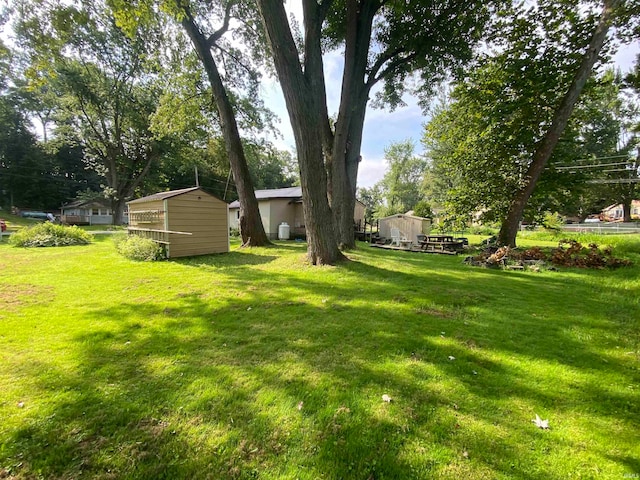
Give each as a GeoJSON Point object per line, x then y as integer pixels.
{"type": "Point", "coordinates": [482, 230]}
{"type": "Point", "coordinates": [138, 248]}
{"type": "Point", "coordinates": [49, 235]}
{"type": "Point", "coordinates": [553, 221]}
{"type": "Point", "coordinates": [423, 209]}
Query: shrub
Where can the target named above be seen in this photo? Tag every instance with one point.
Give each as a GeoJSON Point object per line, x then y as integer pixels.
{"type": "Point", "coordinates": [49, 235]}
{"type": "Point", "coordinates": [138, 248]}
{"type": "Point", "coordinates": [423, 209]}
{"type": "Point", "coordinates": [553, 221]}
{"type": "Point", "coordinates": [482, 230]}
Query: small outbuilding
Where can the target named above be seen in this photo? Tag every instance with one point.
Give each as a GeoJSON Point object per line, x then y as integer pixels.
{"type": "Point", "coordinates": [187, 222]}
{"type": "Point", "coordinates": [408, 225]}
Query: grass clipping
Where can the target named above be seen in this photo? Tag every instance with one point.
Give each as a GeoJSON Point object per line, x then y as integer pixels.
{"type": "Point", "coordinates": [50, 235]}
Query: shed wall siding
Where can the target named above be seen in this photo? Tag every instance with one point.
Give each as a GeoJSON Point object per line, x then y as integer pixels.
{"type": "Point", "coordinates": [281, 211]}
{"type": "Point", "coordinates": [233, 218]}
{"type": "Point", "coordinates": [358, 214]}
{"type": "Point", "coordinates": [265, 207]}
{"type": "Point", "coordinates": [410, 227]}
{"type": "Point", "coordinates": [205, 217]}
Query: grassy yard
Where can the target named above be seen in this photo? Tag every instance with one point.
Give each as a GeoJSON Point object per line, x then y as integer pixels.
{"type": "Point", "coordinates": [255, 365]}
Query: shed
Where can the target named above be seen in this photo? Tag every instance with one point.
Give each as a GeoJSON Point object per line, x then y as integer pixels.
{"type": "Point", "coordinates": [188, 221]}
{"type": "Point", "coordinates": [410, 227]}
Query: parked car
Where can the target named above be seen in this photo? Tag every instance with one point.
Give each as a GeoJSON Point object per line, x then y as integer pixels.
{"type": "Point", "coordinates": [3, 226]}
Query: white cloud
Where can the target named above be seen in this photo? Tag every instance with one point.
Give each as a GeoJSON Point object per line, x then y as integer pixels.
{"type": "Point", "coordinates": [626, 56]}
{"type": "Point", "coordinates": [371, 171]}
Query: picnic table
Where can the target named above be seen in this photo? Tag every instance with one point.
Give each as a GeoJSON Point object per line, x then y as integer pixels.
{"type": "Point", "coordinates": [442, 243]}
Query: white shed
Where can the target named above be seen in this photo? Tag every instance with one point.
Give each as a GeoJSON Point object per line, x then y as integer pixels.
{"type": "Point", "coordinates": [410, 227]}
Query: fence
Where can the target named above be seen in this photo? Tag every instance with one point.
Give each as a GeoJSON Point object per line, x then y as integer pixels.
{"type": "Point", "coordinates": [603, 227]}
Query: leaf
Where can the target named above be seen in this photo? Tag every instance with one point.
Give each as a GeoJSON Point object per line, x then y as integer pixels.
{"type": "Point", "coordinates": [544, 424]}
{"type": "Point", "coordinates": [300, 405]}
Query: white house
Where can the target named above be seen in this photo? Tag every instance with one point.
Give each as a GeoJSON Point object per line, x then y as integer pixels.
{"type": "Point", "coordinates": [615, 212]}
{"type": "Point", "coordinates": [283, 205]}
{"type": "Point", "coordinates": [88, 212]}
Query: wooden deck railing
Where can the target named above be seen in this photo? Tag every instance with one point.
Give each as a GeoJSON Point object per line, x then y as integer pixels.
{"type": "Point", "coordinates": [158, 236]}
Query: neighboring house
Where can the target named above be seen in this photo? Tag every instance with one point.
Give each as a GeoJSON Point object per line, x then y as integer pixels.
{"type": "Point", "coordinates": [613, 213]}
{"type": "Point", "coordinates": [408, 225]}
{"type": "Point", "coordinates": [88, 212]}
{"type": "Point", "coordinates": [187, 222]}
{"type": "Point", "coordinates": [283, 205]}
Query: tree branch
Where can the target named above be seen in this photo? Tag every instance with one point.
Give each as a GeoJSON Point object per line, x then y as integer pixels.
{"type": "Point", "coordinates": [215, 36]}
{"type": "Point", "coordinates": [389, 69]}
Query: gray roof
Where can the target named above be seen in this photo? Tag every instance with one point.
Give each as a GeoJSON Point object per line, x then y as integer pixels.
{"type": "Point", "coordinates": [289, 192]}
{"type": "Point", "coordinates": [164, 195]}
{"type": "Point", "coordinates": [86, 203]}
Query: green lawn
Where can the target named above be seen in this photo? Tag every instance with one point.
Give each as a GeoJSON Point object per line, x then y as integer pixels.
{"type": "Point", "coordinates": [253, 364]}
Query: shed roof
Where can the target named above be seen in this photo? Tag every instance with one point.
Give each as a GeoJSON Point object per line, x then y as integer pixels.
{"type": "Point", "coordinates": [619, 205]}
{"type": "Point", "coordinates": [289, 192]}
{"type": "Point", "coordinates": [165, 195]}
{"type": "Point", "coordinates": [86, 203]}
{"type": "Point", "coordinates": [404, 215]}
{"type": "Point", "coordinates": [295, 193]}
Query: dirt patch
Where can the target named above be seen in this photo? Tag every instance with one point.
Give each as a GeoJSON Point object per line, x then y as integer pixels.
{"type": "Point", "coordinates": [434, 312]}
{"type": "Point", "coordinates": [13, 297]}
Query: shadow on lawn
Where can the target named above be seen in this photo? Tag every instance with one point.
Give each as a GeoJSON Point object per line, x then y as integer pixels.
{"type": "Point", "coordinates": [187, 390]}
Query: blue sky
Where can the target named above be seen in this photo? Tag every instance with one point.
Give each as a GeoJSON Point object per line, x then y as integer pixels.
{"type": "Point", "coordinates": [382, 127]}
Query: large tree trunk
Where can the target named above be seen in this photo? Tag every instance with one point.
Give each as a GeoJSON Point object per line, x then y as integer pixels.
{"type": "Point", "coordinates": [626, 210]}
{"type": "Point", "coordinates": [251, 226]}
{"type": "Point", "coordinates": [509, 227]}
{"type": "Point", "coordinates": [347, 140]}
{"type": "Point", "coordinates": [346, 160]}
{"type": "Point", "coordinates": [304, 95]}
{"type": "Point", "coordinates": [117, 210]}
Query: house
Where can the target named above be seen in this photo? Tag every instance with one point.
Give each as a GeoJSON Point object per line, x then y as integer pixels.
{"type": "Point", "coordinates": [283, 205]}
{"type": "Point", "coordinates": [614, 213]}
{"type": "Point", "coordinates": [187, 222]}
{"type": "Point", "coordinates": [408, 225]}
{"type": "Point", "coordinates": [87, 212]}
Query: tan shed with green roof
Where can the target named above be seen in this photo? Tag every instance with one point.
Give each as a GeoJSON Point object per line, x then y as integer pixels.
{"type": "Point", "coordinates": [187, 222]}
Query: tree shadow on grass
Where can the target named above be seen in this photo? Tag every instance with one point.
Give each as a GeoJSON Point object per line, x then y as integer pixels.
{"type": "Point", "coordinates": [233, 259]}
{"type": "Point", "coordinates": [270, 386]}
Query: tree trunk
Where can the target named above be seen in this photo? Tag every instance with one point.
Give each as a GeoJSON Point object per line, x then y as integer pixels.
{"type": "Point", "coordinates": [347, 140]}
{"type": "Point", "coordinates": [251, 226]}
{"type": "Point", "coordinates": [302, 92]}
{"type": "Point", "coordinates": [626, 210]}
{"type": "Point", "coordinates": [509, 227]}
{"type": "Point", "coordinates": [117, 210]}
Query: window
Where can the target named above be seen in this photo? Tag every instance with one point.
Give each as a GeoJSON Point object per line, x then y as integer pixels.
{"type": "Point", "coordinates": [95, 211]}
{"type": "Point", "coordinates": [238, 214]}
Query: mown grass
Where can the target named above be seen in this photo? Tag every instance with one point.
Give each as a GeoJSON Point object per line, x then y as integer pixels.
{"type": "Point", "coordinates": [253, 364]}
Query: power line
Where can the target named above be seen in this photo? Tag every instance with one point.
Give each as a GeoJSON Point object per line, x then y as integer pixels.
{"type": "Point", "coordinates": [611, 157]}
{"type": "Point", "coordinates": [615, 180]}
{"type": "Point", "coordinates": [574, 167]}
